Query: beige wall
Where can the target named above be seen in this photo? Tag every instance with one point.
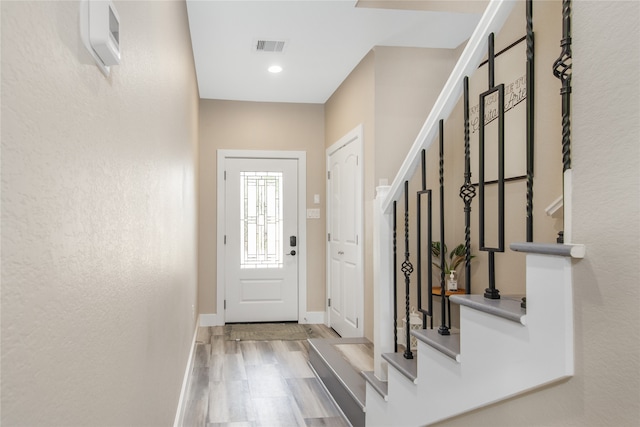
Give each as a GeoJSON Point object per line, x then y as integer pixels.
{"type": "Point", "coordinates": [98, 217]}
{"type": "Point", "coordinates": [408, 82]}
{"type": "Point", "coordinates": [260, 126]}
{"type": "Point", "coordinates": [352, 104]}
{"type": "Point", "coordinates": [606, 197]}
{"type": "Point", "coordinates": [390, 93]}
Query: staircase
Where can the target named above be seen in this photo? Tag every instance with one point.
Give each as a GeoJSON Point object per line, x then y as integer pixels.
{"type": "Point", "coordinates": [502, 350]}
{"type": "Point", "coordinates": [506, 345]}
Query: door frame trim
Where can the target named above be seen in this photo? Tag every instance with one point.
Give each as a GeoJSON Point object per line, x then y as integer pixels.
{"type": "Point", "coordinates": [301, 157]}
{"type": "Point", "coordinates": [356, 134]}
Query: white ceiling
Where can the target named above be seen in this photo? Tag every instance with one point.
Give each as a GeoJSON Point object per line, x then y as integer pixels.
{"type": "Point", "coordinates": [324, 41]}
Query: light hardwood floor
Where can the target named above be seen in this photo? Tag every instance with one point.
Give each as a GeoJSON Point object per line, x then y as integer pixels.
{"type": "Point", "coordinates": [256, 383]}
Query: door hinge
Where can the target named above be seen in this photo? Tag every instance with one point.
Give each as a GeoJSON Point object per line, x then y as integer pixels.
{"type": "Point", "coordinates": [225, 239]}
{"type": "Point", "coordinates": [357, 159]}
{"type": "Point", "coordinates": [328, 237]}
{"type": "Point", "coordinates": [356, 239]}
{"type": "Point", "coordinates": [225, 304]}
{"type": "Point", "coordinates": [357, 323]}
{"type": "Point", "coordinates": [328, 174]}
{"type": "Point", "coordinates": [329, 302]}
{"type": "Point", "coordinates": [225, 175]}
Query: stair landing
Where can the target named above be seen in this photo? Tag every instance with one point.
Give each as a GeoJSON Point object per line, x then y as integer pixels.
{"type": "Point", "coordinates": [339, 363]}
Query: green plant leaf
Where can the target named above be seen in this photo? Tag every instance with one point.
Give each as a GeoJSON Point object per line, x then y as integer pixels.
{"type": "Point", "coordinates": [459, 250]}
{"type": "Point", "coordinates": [435, 249]}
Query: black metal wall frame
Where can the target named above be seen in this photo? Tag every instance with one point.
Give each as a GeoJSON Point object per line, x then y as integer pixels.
{"type": "Point", "coordinates": [529, 119]}
{"type": "Point", "coordinates": [500, 52]}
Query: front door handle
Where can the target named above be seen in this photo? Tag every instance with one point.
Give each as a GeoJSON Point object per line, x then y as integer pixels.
{"type": "Point", "coordinates": [292, 253]}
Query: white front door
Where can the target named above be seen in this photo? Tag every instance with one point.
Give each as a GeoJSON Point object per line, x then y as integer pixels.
{"type": "Point", "coordinates": [261, 233]}
{"type": "Point", "coordinates": [344, 224]}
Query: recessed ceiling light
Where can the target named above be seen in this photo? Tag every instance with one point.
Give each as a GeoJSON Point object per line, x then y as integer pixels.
{"type": "Point", "coordinates": [275, 69]}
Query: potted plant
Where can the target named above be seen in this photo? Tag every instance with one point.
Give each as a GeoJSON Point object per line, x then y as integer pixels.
{"type": "Point", "coordinates": [455, 258]}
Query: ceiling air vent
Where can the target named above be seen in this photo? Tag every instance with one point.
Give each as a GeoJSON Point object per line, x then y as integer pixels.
{"type": "Point", "coordinates": [269, 46]}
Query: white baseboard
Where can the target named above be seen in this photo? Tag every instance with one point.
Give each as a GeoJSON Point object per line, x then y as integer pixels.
{"type": "Point", "coordinates": [211, 320]}
{"type": "Point", "coordinates": [177, 422]}
{"type": "Point", "coordinates": [310, 317]}
{"type": "Point", "coordinates": [314, 317]}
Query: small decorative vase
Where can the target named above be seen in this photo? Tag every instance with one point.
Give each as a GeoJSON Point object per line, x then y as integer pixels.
{"type": "Point", "coordinates": [452, 282]}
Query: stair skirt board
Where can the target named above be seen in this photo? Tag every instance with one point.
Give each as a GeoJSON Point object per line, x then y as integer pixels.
{"type": "Point", "coordinates": [344, 383]}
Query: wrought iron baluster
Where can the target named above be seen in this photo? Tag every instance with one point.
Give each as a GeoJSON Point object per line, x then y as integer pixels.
{"type": "Point", "coordinates": [530, 124]}
{"type": "Point", "coordinates": [562, 70]}
{"type": "Point", "coordinates": [419, 241]}
{"type": "Point", "coordinates": [530, 117]}
{"type": "Point", "coordinates": [429, 311]}
{"type": "Point", "coordinates": [423, 169]}
{"type": "Point", "coordinates": [430, 256]}
{"type": "Point", "coordinates": [491, 292]}
{"type": "Point", "coordinates": [443, 329]}
{"type": "Point", "coordinates": [407, 269]}
{"type": "Point", "coordinates": [467, 190]}
{"type": "Point", "coordinates": [395, 278]}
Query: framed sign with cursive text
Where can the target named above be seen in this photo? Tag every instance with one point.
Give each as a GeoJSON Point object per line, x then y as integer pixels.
{"type": "Point", "coordinates": [510, 70]}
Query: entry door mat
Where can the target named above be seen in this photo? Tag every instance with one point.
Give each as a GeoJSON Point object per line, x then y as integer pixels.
{"type": "Point", "coordinates": [268, 332]}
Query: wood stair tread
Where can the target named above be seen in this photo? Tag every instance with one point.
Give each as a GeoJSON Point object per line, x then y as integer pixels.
{"type": "Point", "coordinates": [407, 367]}
{"type": "Point", "coordinates": [507, 307]}
{"type": "Point", "coordinates": [380, 386]}
{"type": "Point", "coordinates": [449, 345]}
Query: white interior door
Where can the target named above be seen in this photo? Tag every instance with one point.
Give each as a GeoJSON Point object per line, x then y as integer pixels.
{"type": "Point", "coordinates": [345, 220]}
{"type": "Point", "coordinates": [261, 248]}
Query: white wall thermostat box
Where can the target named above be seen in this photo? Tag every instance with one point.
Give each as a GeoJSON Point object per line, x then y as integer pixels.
{"type": "Point", "coordinates": [104, 31]}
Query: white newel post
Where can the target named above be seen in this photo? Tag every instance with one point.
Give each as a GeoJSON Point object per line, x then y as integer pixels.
{"type": "Point", "coordinates": [382, 283]}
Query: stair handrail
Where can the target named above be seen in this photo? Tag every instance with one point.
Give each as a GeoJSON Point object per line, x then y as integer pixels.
{"type": "Point", "coordinates": [492, 20]}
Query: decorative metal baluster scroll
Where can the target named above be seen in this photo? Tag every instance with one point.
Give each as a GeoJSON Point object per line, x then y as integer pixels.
{"type": "Point", "coordinates": [491, 292]}
{"type": "Point", "coordinates": [467, 190]}
{"type": "Point", "coordinates": [443, 329]}
{"type": "Point", "coordinates": [429, 310]}
{"type": "Point", "coordinates": [407, 269]}
{"type": "Point", "coordinates": [395, 277]}
{"type": "Point", "coordinates": [562, 70]}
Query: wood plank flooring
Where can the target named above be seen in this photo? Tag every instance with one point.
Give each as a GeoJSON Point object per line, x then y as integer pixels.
{"type": "Point", "coordinates": [256, 383]}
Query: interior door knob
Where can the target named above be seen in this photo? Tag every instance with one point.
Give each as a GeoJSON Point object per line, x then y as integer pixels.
{"type": "Point", "coordinates": [292, 253]}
